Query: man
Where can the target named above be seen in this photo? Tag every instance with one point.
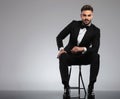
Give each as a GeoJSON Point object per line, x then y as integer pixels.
{"type": "Point", "coordinates": [82, 48]}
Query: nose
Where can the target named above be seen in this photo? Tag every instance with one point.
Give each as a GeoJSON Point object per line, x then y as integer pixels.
{"type": "Point", "coordinates": [86, 17]}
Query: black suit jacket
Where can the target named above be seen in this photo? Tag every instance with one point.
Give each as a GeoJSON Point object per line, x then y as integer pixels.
{"type": "Point", "coordinates": [91, 39]}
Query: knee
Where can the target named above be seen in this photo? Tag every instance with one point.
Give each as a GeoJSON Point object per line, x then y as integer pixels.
{"type": "Point", "coordinates": [95, 57]}
{"type": "Point", "coordinates": [63, 59]}
{"type": "Point", "coordinates": [63, 56]}
{"type": "Point", "coordinates": [95, 60]}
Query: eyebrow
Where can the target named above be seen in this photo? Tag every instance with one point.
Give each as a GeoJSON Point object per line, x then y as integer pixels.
{"type": "Point", "coordinates": [87, 15]}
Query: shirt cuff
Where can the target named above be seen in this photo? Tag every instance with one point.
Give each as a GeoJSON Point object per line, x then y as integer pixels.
{"type": "Point", "coordinates": [61, 48]}
{"type": "Point", "coordinates": [85, 49]}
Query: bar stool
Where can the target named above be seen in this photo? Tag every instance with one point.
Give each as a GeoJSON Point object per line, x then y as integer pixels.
{"type": "Point", "coordinates": [80, 81]}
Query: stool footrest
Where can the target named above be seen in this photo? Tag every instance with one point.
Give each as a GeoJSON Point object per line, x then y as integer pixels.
{"type": "Point", "coordinates": [78, 97]}
{"type": "Point", "coordinates": [76, 88]}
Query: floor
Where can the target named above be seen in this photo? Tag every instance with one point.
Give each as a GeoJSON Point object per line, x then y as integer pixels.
{"type": "Point", "coordinates": [53, 95]}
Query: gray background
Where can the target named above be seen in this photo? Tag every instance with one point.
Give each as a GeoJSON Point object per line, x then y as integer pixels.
{"type": "Point", "coordinates": [28, 30]}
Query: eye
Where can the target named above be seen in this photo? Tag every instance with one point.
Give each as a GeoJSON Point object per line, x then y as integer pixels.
{"type": "Point", "coordinates": [89, 15]}
{"type": "Point", "coordinates": [84, 15]}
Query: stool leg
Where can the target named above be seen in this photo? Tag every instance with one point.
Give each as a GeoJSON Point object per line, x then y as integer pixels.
{"type": "Point", "coordinates": [79, 81]}
{"type": "Point", "coordinates": [69, 73]}
{"type": "Point", "coordinates": [83, 86]}
{"type": "Point", "coordinates": [83, 83]}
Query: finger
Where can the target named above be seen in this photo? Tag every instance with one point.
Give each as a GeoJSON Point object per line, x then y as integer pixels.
{"type": "Point", "coordinates": [58, 56]}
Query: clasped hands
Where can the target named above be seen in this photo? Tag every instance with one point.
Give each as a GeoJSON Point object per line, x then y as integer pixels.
{"type": "Point", "coordinates": [75, 49]}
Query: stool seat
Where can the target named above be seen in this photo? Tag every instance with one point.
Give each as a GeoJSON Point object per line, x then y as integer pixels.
{"type": "Point", "coordinates": [80, 81]}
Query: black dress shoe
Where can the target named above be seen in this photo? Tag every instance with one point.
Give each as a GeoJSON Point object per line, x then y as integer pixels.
{"type": "Point", "coordinates": [66, 92]}
{"type": "Point", "coordinates": [91, 94]}
{"type": "Point", "coordinates": [66, 97]}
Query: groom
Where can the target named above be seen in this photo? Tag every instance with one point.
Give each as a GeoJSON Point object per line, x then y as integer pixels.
{"type": "Point", "coordinates": [82, 48]}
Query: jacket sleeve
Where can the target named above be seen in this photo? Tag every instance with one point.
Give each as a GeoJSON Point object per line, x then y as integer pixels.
{"type": "Point", "coordinates": [95, 43]}
{"type": "Point", "coordinates": [64, 33]}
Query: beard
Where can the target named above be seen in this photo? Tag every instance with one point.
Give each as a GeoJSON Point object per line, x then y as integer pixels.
{"type": "Point", "coordinates": [86, 22]}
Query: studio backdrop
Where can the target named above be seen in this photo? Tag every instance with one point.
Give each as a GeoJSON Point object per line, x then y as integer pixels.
{"type": "Point", "coordinates": [28, 50]}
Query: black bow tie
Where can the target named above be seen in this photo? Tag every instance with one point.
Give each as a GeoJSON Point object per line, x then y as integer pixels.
{"type": "Point", "coordinates": [84, 26]}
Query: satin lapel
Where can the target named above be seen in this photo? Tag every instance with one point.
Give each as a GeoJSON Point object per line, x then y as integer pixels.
{"type": "Point", "coordinates": [86, 35]}
{"type": "Point", "coordinates": [76, 32]}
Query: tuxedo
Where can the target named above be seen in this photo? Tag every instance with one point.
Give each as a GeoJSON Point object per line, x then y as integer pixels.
{"type": "Point", "coordinates": [91, 37]}
{"type": "Point", "coordinates": [91, 41]}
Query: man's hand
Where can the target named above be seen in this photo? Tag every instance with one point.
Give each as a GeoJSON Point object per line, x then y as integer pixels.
{"type": "Point", "coordinates": [61, 52]}
{"type": "Point", "coordinates": [77, 49]}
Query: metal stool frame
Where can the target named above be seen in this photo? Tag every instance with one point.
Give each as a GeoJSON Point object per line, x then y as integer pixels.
{"type": "Point", "coordinates": [80, 79]}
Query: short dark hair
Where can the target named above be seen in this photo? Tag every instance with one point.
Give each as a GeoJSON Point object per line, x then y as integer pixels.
{"type": "Point", "coordinates": [87, 7]}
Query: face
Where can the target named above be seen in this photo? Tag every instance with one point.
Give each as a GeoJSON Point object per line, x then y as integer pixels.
{"type": "Point", "coordinates": [86, 16]}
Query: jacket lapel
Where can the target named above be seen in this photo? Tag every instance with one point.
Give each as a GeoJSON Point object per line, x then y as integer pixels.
{"type": "Point", "coordinates": [76, 31]}
{"type": "Point", "coordinates": [88, 32]}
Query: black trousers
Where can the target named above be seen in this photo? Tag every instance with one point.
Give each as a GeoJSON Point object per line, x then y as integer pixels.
{"type": "Point", "coordinates": [66, 60]}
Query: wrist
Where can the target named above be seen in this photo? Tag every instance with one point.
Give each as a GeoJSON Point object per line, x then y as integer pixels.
{"type": "Point", "coordinates": [61, 48]}
{"type": "Point", "coordinates": [84, 49]}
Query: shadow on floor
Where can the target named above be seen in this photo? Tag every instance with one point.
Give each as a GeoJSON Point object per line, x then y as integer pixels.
{"type": "Point", "coordinates": [53, 95]}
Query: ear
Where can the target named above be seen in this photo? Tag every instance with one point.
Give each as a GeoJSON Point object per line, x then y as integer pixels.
{"type": "Point", "coordinates": [80, 15]}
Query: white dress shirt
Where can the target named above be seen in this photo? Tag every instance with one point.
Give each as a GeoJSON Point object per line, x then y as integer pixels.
{"type": "Point", "coordinates": [80, 37]}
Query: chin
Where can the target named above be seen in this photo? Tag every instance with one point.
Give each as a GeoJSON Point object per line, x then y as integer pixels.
{"type": "Point", "coordinates": [87, 23]}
